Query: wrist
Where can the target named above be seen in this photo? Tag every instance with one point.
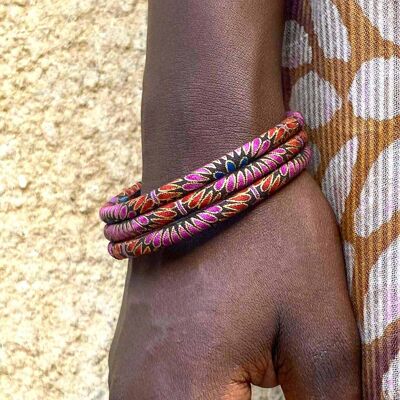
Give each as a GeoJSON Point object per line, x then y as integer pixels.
{"type": "Point", "coordinates": [212, 82]}
{"type": "Point", "coordinates": [197, 131]}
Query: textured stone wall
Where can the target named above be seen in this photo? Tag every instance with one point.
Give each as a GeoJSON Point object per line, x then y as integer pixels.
{"type": "Point", "coordinates": [70, 79]}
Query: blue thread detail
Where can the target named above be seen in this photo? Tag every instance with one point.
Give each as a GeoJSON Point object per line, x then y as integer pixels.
{"type": "Point", "coordinates": [122, 199]}
{"type": "Point", "coordinates": [243, 162]}
{"type": "Point", "coordinates": [218, 174]}
{"type": "Point", "coordinates": [230, 166]}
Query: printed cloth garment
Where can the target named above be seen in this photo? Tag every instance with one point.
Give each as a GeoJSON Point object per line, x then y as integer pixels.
{"type": "Point", "coordinates": [341, 69]}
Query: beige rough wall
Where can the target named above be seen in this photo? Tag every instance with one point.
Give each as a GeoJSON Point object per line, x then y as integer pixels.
{"type": "Point", "coordinates": [70, 78]}
{"type": "Point", "coordinates": [70, 91]}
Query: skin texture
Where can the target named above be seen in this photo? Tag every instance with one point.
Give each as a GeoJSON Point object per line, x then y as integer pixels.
{"type": "Point", "coordinates": [262, 298]}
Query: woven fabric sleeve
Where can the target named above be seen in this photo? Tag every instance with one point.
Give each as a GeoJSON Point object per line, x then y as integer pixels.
{"type": "Point", "coordinates": [341, 69]}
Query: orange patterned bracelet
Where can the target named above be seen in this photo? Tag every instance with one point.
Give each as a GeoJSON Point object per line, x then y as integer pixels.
{"type": "Point", "coordinates": [129, 203]}
{"type": "Point", "coordinates": [204, 219]}
{"type": "Point", "coordinates": [209, 194]}
{"type": "Point", "coordinates": [140, 224]}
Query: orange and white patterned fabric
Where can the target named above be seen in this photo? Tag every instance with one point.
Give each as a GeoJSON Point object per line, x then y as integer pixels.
{"type": "Point", "coordinates": [341, 69]}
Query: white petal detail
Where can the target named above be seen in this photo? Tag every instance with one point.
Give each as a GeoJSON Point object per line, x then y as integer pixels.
{"type": "Point", "coordinates": [296, 49]}
{"type": "Point", "coordinates": [331, 33]}
{"type": "Point", "coordinates": [382, 302]}
{"type": "Point", "coordinates": [348, 251]}
{"type": "Point", "coordinates": [315, 160]}
{"type": "Point", "coordinates": [380, 195]}
{"type": "Point", "coordinates": [372, 92]}
{"type": "Point", "coordinates": [390, 381]}
{"type": "Point", "coordinates": [315, 98]}
{"type": "Point", "coordinates": [336, 183]}
{"type": "Point", "coordinates": [385, 16]}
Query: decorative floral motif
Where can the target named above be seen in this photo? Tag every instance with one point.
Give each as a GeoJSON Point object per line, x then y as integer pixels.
{"type": "Point", "coordinates": [385, 15]}
{"type": "Point", "coordinates": [383, 288]}
{"type": "Point", "coordinates": [336, 183]}
{"type": "Point", "coordinates": [297, 50]}
{"type": "Point", "coordinates": [209, 194]}
{"type": "Point", "coordinates": [321, 102]}
{"type": "Point", "coordinates": [331, 33]}
{"type": "Point", "coordinates": [129, 204]}
{"type": "Point", "coordinates": [349, 94]}
{"type": "Point", "coordinates": [205, 218]}
{"type": "Point", "coordinates": [381, 189]}
{"type": "Point", "coordinates": [376, 79]}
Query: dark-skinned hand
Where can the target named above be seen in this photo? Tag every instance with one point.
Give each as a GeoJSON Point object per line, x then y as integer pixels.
{"type": "Point", "coordinates": [261, 299]}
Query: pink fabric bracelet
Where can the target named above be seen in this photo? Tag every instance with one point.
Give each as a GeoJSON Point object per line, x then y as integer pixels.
{"type": "Point", "coordinates": [202, 220]}
{"type": "Point", "coordinates": [129, 203]}
{"type": "Point", "coordinates": [207, 195]}
{"type": "Point", "coordinates": [141, 224]}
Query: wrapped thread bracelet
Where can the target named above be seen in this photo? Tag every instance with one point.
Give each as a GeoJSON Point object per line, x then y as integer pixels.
{"type": "Point", "coordinates": [201, 220]}
{"type": "Point", "coordinates": [129, 203]}
{"type": "Point", "coordinates": [208, 195]}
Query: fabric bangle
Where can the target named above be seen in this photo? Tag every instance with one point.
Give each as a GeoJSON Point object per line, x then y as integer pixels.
{"type": "Point", "coordinates": [129, 203]}
{"type": "Point", "coordinates": [207, 195]}
{"type": "Point", "coordinates": [206, 218]}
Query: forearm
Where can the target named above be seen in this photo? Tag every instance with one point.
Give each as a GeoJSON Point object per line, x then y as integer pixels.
{"type": "Point", "coordinates": [206, 320]}
{"type": "Point", "coordinates": [212, 81]}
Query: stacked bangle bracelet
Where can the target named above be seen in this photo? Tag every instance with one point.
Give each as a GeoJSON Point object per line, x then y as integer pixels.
{"type": "Point", "coordinates": [140, 224]}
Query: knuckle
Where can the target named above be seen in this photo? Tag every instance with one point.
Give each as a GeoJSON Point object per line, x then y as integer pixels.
{"type": "Point", "coordinates": [336, 356]}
